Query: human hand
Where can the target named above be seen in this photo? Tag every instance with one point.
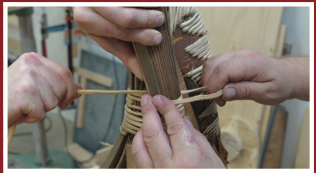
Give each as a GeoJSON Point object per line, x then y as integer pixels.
{"type": "Point", "coordinates": [185, 147]}
{"type": "Point", "coordinates": [37, 85]}
{"type": "Point", "coordinates": [248, 75]}
{"type": "Point", "coordinates": [113, 28]}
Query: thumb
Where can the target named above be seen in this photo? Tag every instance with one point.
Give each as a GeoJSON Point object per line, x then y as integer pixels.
{"type": "Point", "coordinates": [242, 91]}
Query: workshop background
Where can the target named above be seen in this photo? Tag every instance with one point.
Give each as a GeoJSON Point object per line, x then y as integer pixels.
{"type": "Point", "coordinates": [256, 136]}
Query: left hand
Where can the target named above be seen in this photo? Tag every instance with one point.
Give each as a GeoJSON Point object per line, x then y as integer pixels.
{"type": "Point", "coordinates": [185, 147]}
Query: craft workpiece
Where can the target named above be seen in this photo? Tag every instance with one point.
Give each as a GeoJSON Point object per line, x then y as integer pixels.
{"type": "Point", "coordinates": [173, 66]}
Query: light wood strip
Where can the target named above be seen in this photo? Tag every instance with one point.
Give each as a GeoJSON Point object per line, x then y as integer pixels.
{"type": "Point", "coordinates": [106, 81]}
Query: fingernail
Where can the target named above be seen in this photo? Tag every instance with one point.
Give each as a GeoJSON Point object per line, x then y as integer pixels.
{"type": "Point", "coordinates": [159, 20]}
{"type": "Point", "coordinates": [157, 101]}
{"type": "Point", "coordinates": [144, 100]}
{"type": "Point", "coordinates": [188, 121]}
{"type": "Point", "coordinates": [157, 39]}
{"type": "Point", "coordinates": [230, 93]}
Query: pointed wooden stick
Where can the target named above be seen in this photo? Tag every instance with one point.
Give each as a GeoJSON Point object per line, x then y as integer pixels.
{"type": "Point", "coordinates": [11, 133]}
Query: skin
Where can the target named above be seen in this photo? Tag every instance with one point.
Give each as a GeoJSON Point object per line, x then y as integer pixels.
{"type": "Point", "coordinates": [246, 74]}
{"type": "Point", "coordinates": [251, 75]}
{"type": "Point", "coordinates": [185, 147]}
{"type": "Point", "coordinates": [37, 85]}
{"type": "Point", "coordinates": [114, 28]}
{"type": "Point", "coordinates": [243, 75]}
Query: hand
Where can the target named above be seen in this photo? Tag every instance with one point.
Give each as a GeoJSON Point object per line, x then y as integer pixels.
{"type": "Point", "coordinates": [248, 75]}
{"type": "Point", "coordinates": [185, 147]}
{"type": "Point", "coordinates": [113, 28]}
{"type": "Point", "coordinates": [37, 85]}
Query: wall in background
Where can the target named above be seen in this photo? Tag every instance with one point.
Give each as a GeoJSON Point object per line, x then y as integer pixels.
{"type": "Point", "coordinates": [57, 49]}
{"type": "Point", "coordinates": [296, 20]}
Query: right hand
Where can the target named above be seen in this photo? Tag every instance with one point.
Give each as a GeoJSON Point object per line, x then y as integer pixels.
{"type": "Point", "coordinates": [249, 75]}
{"type": "Point", "coordinates": [113, 28]}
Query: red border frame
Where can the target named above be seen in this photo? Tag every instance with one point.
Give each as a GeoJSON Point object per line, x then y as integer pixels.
{"type": "Point", "coordinates": [1, 107]}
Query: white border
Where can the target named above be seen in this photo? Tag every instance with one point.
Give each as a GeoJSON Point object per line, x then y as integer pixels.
{"type": "Point", "coordinates": [222, 4]}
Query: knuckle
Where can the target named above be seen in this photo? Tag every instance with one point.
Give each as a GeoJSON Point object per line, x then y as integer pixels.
{"type": "Point", "coordinates": [123, 33]}
{"type": "Point", "coordinates": [245, 91]}
{"type": "Point", "coordinates": [127, 18]}
{"type": "Point", "coordinates": [151, 19]}
{"type": "Point", "coordinates": [65, 72]}
{"type": "Point", "coordinates": [31, 58]}
{"type": "Point", "coordinates": [148, 37]}
{"type": "Point", "coordinates": [219, 70]}
{"type": "Point", "coordinates": [28, 88]}
{"type": "Point", "coordinates": [146, 109]}
{"type": "Point", "coordinates": [80, 16]}
{"type": "Point", "coordinates": [52, 105]}
{"type": "Point", "coordinates": [135, 154]}
{"type": "Point", "coordinates": [150, 135]}
{"type": "Point", "coordinates": [174, 128]}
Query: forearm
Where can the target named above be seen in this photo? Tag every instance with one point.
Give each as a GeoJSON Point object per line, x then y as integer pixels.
{"type": "Point", "coordinates": [298, 68]}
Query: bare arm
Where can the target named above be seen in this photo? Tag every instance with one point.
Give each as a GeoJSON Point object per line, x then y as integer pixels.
{"type": "Point", "coordinates": [249, 75]}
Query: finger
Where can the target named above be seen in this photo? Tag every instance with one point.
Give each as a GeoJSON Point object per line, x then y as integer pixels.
{"type": "Point", "coordinates": [181, 138]}
{"type": "Point", "coordinates": [67, 78]}
{"type": "Point", "coordinates": [234, 70]}
{"type": "Point", "coordinates": [121, 49]}
{"type": "Point", "coordinates": [78, 87]}
{"type": "Point", "coordinates": [32, 108]}
{"type": "Point", "coordinates": [155, 139]}
{"type": "Point", "coordinates": [49, 99]}
{"type": "Point", "coordinates": [205, 146]}
{"type": "Point", "coordinates": [201, 140]}
{"type": "Point", "coordinates": [140, 153]}
{"type": "Point", "coordinates": [211, 64]}
{"type": "Point", "coordinates": [95, 24]}
{"type": "Point", "coordinates": [131, 17]}
{"type": "Point", "coordinates": [247, 90]}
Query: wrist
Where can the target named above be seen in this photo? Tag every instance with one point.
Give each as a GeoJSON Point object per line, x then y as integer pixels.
{"type": "Point", "coordinates": [298, 77]}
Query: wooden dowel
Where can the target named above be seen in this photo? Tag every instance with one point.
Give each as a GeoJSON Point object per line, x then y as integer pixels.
{"type": "Point", "coordinates": [141, 92]}
{"type": "Point", "coordinates": [11, 133]}
{"type": "Point", "coordinates": [132, 91]}
{"type": "Point", "coordinates": [111, 92]}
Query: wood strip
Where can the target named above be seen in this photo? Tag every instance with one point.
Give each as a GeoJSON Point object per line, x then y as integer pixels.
{"type": "Point", "coordinates": [302, 156]}
{"type": "Point", "coordinates": [129, 158]}
{"type": "Point", "coordinates": [280, 42]}
{"type": "Point", "coordinates": [116, 152]}
{"type": "Point", "coordinates": [106, 81]}
{"type": "Point", "coordinates": [11, 133]}
{"type": "Point", "coordinates": [273, 154]}
{"type": "Point", "coordinates": [81, 104]}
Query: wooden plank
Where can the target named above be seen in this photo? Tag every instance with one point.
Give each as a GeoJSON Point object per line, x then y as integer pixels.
{"type": "Point", "coordinates": [280, 42]}
{"type": "Point", "coordinates": [116, 152]}
{"type": "Point", "coordinates": [231, 28]}
{"type": "Point", "coordinates": [266, 122]}
{"type": "Point", "coordinates": [81, 104]}
{"type": "Point", "coordinates": [129, 157]}
{"type": "Point", "coordinates": [80, 154]}
{"type": "Point", "coordinates": [302, 156]}
{"type": "Point", "coordinates": [273, 152]}
{"type": "Point", "coordinates": [94, 76]}
{"type": "Point", "coordinates": [14, 45]}
{"type": "Point", "coordinates": [102, 154]}
{"type": "Point", "coordinates": [158, 64]}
